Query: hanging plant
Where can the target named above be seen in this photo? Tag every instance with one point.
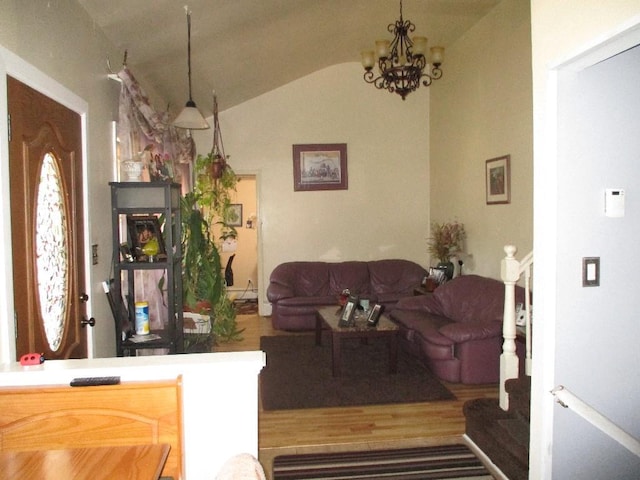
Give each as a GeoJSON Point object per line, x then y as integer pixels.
{"type": "Point", "coordinates": [202, 209]}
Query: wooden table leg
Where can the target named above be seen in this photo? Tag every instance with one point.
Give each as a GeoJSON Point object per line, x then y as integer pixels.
{"type": "Point", "coordinates": [336, 355]}
{"type": "Point", "coordinates": [393, 353]}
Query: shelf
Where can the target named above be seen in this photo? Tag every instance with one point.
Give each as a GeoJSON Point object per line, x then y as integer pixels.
{"type": "Point", "coordinates": [143, 198]}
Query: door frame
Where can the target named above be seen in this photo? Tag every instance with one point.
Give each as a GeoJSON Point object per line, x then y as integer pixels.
{"type": "Point", "coordinates": [16, 67]}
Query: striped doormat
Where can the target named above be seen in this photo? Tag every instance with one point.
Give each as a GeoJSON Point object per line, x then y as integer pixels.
{"type": "Point", "coordinates": [448, 461]}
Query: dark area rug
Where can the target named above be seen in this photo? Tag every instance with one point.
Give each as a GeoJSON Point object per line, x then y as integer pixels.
{"type": "Point", "coordinates": [420, 463]}
{"type": "Point", "coordinates": [298, 375]}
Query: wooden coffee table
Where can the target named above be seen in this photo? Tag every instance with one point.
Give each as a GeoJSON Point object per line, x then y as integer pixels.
{"type": "Point", "coordinates": [330, 316]}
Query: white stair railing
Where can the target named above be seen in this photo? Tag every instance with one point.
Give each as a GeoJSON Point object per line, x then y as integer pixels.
{"type": "Point", "coordinates": [568, 400]}
{"type": "Point", "coordinates": [511, 272]}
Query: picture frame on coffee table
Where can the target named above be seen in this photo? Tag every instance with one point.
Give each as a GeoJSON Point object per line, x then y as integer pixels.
{"type": "Point", "coordinates": [348, 312]}
{"type": "Point", "coordinates": [374, 315]}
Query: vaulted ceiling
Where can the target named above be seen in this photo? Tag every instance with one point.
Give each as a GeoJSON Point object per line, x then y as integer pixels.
{"type": "Point", "coordinates": [244, 48]}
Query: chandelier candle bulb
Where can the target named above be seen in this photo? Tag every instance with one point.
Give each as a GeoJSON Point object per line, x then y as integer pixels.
{"type": "Point", "coordinates": [368, 59]}
{"type": "Point", "coordinates": [419, 46]}
{"type": "Point", "coordinates": [437, 55]}
{"type": "Point", "coordinates": [382, 48]}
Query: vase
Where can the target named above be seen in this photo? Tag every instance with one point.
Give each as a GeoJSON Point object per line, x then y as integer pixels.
{"type": "Point", "coordinates": [447, 268]}
{"type": "Point", "coordinates": [132, 170]}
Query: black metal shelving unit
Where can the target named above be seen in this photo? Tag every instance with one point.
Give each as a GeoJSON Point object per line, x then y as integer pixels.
{"type": "Point", "coordinates": [163, 201]}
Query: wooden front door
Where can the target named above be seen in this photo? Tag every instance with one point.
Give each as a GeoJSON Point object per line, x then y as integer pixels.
{"type": "Point", "coordinates": [45, 163]}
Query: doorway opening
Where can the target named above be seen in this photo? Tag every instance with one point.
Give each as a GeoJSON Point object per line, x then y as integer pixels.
{"type": "Point", "coordinates": [240, 257]}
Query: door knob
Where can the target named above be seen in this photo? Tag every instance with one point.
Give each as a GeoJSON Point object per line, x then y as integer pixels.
{"type": "Point", "coordinates": [84, 297]}
{"type": "Point", "coordinates": [91, 322]}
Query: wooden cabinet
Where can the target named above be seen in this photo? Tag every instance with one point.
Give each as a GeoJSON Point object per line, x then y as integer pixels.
{"type": "Point", "coordinates": [136, 275]}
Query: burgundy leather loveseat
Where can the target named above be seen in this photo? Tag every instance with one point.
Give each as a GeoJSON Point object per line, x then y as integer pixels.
{"type": "Point", "coordinates": [457, 330]}
{"type": "Point", "coordinates": [296, 289]}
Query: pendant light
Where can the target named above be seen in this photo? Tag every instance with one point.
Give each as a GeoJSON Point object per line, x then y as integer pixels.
{"type": "Point", "coordinates": [190, 117]}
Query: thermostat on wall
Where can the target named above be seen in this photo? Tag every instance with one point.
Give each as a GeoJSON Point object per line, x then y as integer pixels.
{"type": "Point", "coordinates": [614, 202]}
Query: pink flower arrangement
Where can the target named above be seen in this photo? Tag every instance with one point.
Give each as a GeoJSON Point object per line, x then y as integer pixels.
{"type": "Point", "coordinates": [446, 239]}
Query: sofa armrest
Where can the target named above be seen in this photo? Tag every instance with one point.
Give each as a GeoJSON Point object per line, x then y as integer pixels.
{"type": "Point", "coordinates": [466, 331]}
{"type": "Point", "coordinates": [277, 291]}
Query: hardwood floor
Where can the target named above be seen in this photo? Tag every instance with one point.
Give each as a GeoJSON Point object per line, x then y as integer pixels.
{"type": "Point", "coordinates": [354, 428]}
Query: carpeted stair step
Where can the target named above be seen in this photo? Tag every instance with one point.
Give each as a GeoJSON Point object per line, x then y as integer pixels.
{"type": "Point", "coordinates": [502, 436]}
{"type": "Point", "coordinates": [519, 390]}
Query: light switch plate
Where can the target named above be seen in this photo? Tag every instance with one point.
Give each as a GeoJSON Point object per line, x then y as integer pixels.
{"type": "Point", "coordinates": [591, 271]}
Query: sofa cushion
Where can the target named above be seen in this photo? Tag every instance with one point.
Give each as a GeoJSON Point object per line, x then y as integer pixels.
{"type": "Point", "coordinates": [394, 277]}
{"type": "Point", "coordinates": [460, 332]}
{"type": "Point", "coordinates": [423, 325]}
{"type": "Point", "coordinates": [304, 279]}
{"type": "Point", "coordinates": [352, 275]}
{"type": "Point", "coordinates": [471, 298]}
{"type": "Point", "coordinates": [308, 301]}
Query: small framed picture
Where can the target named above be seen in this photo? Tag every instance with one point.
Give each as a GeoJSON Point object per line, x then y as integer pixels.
{"type": "Point", "coordinates": [498, 180]}
{"type": "Point", "coordinates": [145, 238]}
{"type": "Point", "coordinates": [320, 167]}
{"type": "Point", "coordinates": [374, 315]}
{"type": "Point", "coordinates": [234, 215]}
{"type": "Point", "coordinates": [348, 312]}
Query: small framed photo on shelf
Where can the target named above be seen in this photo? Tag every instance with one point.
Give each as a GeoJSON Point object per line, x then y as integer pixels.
{"type": "Point", "coordinates": [348, 312]}
{"type": "Point", "coordinates": [498, 180]}
{"type": "Point", "coordinates": [145, 238]}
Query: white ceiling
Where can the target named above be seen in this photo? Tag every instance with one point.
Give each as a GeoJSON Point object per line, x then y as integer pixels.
{"type": "Point", "coordinates": [244, 48]}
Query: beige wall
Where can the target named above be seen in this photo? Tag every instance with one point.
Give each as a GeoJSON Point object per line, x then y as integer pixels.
{"type": "Point", "coordinates": [481, 109]}
{"type": "Point", "coordinates": [62, 43]}
{"type": "Point", "coordinates": [385, 211]}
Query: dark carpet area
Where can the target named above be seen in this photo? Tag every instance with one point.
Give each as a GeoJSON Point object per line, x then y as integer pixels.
{"type": "Point", "coordinates": [298, 375]}
{"type": "Point", "coordinates": [421, 463]}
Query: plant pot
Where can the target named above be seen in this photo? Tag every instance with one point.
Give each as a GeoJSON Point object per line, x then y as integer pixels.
{"type": "Point", "coordinates": [217, 168]}
{"type": "Point", "coordinates": [132, 170]}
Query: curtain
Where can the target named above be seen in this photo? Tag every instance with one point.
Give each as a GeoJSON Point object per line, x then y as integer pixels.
{"type": "Point", "coordinates": [147, 135]}
{"type": "Point", "coordinates": [168, 154]}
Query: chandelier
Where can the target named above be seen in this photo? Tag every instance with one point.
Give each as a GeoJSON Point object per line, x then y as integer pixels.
{"type": "Point", "coordinates": [402, 61]}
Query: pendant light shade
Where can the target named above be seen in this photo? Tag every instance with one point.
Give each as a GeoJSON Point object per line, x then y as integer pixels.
{"type": "Point", "coordinates": [190, 117]}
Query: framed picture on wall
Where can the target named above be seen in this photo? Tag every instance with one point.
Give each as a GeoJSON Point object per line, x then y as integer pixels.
{"type": "Point", "coordinates": [320, 167]}
{"type": "Point", "coordinates": [498, 180]}
{"type": "Point", "coordinates": [234, 215]}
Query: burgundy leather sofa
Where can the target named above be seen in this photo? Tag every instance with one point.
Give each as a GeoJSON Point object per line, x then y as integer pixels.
{"type": "Point", "coordinates": [296, 289]}
{"type": "Point", "coordinates": [457, 330]}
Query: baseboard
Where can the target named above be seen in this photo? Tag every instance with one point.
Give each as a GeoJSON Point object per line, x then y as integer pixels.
{"type": "Point", "coordinates": [489, 465]}
{"type": "Point", "coordinates": [241, 294]}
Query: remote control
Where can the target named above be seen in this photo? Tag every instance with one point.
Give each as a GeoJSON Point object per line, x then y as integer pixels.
{"type": "Point", "coordinates": [93, 381]}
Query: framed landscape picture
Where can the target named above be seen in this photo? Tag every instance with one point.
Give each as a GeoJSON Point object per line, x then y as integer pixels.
{"type": "Point", "coordinates": [498, 180]}
{"type": "Point", "coordinates": [320, 167]}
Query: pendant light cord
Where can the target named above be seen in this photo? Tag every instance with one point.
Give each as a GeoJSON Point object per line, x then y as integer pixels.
{"type": "Point", "coordinates": [186, 8]}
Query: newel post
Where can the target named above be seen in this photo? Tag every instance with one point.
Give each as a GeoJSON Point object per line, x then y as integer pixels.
{"type": "Point", "coordinates": [510, 272]}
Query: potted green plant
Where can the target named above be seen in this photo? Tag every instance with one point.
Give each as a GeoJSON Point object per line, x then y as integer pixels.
{"type": "Point", "coordinates": [446, 241]}
{"type": "Point", "coordinates": [204, 290]}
